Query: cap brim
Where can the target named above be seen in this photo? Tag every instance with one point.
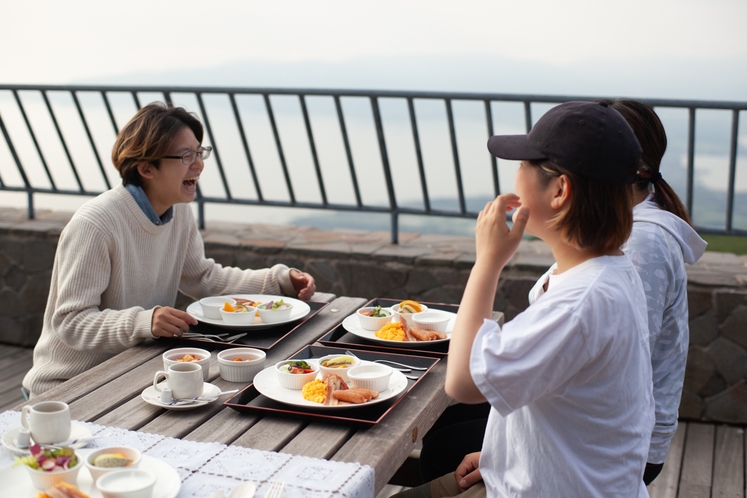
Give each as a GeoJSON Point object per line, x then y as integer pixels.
{"type": "Point", "coordinates": [514, 147]}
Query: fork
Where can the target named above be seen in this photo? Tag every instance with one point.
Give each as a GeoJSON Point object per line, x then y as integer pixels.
{"type": "Point", "coordinates": [218, 338]}
{"type": "Point", "coordinates": [198, 335]}
{"type": "Point", "coordinates": [275, 490]}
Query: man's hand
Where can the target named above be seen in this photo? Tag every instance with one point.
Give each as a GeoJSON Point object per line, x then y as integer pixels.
{"type": "Point", "coordinates": [170, 322]}
{"type": "Point", "coordinates": [303, 283]}
{"type": "Point", "coordinates": [467, 473]}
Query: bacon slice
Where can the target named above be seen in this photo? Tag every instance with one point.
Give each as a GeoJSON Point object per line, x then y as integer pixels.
{"type": "Point", "coordinates": [334, 383]}
{"type": "Point", "coordinates": [408, 335]}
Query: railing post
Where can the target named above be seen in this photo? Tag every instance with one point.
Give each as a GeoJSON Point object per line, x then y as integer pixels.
{"type": "Point", "coordinates": [31, 211]}
{"type": "Point", "coordinates": [394, 225]}
{"type": "Point", "coordinates": [385, 164]}
{"type": "Point", "coordinates": [732, 169]}
{"type": "Point", "coordinates": [493, 160]}
{"type": "Point", "coordinates": [690, 161]}
{"type": "Point", "coordinates": [455, 155]}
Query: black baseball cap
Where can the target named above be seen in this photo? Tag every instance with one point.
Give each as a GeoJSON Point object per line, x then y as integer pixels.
{"type": "Point", "coordinates": [589, 139]}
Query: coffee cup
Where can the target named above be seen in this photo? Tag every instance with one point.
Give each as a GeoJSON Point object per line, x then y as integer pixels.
{"type": "Point", "coordinates": [184, 380]}
{"type": "Point", "coordinates": [48, 422]}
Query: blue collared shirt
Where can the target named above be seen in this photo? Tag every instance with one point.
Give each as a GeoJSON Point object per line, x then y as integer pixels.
{"type": "Point", "coordinates": [142, 200]}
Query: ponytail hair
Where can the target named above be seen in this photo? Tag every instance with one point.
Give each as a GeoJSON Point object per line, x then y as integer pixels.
{"type": "Point", "coordinates": [650, 133]}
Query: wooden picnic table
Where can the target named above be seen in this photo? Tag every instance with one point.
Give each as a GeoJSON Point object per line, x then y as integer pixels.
{"type": "Point", "coordinates": [109, 394]}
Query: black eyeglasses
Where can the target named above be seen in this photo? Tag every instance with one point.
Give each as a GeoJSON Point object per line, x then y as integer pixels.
{"type": "Point", "coordinates": [189, 157]}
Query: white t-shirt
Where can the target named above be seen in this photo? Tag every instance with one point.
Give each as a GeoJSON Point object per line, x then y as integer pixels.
{"type": "Point", "coordinates": [569, 382]}
{"type": "Point", "coordinates": [659, 246]}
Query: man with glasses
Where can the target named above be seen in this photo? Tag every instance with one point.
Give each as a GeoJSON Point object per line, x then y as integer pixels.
{"type": "Point", "coordinates": [125, 254]}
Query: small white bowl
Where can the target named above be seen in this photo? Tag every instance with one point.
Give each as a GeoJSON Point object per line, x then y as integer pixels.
{"type": "Point", "coordinates": [406, 317]}
{"type": "Point", "coordinates": [127, 451]}
{"type": "Point", "coordinates": [373, 323]}
{"type": "Point", "coordinates": [42, 479]}
{"type": "Point", "coordinates": [171, 356]}
{"type": "Point", "coordinates": [370, 376]}
{"type": "Point", "coordinates": [244, 317]}
{"type": "Point", "coordinates": [273, 316]}
{"type": "Point", "coordinates": [211, 306]}
{"type": "Point", "coordinates": [431, 320]}
{"type": "Point", "coordinates": [295, 381]}
{"type": "Point", "coordinates": [240, 371]}
{"type": "Point", "coordinates": [342, 371]}
{"type": "Point", "coordinates": [127, 483]}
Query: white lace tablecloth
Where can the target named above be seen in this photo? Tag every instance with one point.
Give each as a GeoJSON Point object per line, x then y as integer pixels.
{"type": "Point", "coordinates": [208, 467]}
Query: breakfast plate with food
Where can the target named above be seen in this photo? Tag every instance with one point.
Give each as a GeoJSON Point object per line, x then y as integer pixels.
{"type": "Point", "coordinates": [303, 383]}
{"type": "Point", "coordinates": [16, 480]}
{"type": "Point", "coordinates": [407, 325]}
{"type": "Point", "coordinates": [248, 311]}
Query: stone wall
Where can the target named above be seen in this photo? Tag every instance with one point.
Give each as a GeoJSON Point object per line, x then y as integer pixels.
{"type": "Point", "coordinates": [431, 268]}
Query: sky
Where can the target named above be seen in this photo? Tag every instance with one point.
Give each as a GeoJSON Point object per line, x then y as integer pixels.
{"type": "Point", "coordinates": [675, 49]}
{"type": "Point", "coordinates": [93, 41]}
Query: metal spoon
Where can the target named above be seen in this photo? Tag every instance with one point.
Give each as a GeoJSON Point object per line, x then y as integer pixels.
{"type": "Point", "coordinates": [206, 397]}
{"type": "Point", "coordinates": [400, 365]}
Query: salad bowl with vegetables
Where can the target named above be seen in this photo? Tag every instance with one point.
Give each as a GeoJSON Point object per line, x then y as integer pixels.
{"type": "Point", "coordinates": [293, 374]}
{"type": "Point", "coordinates": [374, 317]}
{"type": "Point", "coordinates": [275, 311]}
{"type": "Point", "coordinates": [48, 466]}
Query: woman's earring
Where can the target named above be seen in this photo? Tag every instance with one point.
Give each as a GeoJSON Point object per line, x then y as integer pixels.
{"type": "Point", "coordinates": [651, 188]}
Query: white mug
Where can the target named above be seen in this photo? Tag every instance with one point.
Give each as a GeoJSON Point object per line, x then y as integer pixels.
{"type": "Point", "coordinates": [48, 422]}
{"type": "Point", "coordinates": [184, 380]}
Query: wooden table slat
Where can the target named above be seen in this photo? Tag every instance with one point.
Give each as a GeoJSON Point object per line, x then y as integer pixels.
{"type": "Point", "coordinates": [225, 427]}
{"type": "Point", "coordinates": [697, 465]}
{"type": "Point", "coordinates": [319, 440]}
{"type": "Point", "coordinates": [100, 375]}
{"type": "Point", "coordinates": [728, 479]}
{"type": "Point", "coordinates": [666, 485]}
{"type": "Point", "coordinates": [271, 434]}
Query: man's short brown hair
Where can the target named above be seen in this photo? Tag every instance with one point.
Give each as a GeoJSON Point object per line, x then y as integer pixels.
{"type": "Point", "coordinates": [147, 138]}
{"type": "Point", "coordinates": [598, 216]}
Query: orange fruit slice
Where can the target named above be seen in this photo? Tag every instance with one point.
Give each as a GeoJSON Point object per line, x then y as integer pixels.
{"type": "Point", "coordinates": [227, 307]}
{"type": "Point", "coordinates": [412, 304]}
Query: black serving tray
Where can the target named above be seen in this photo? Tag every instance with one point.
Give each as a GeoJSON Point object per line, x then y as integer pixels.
{"type": "Point", "coordinates": [251, 401]}
{"type": "Point", "coordinates": [339, 337]}
{"type": "Point", "coordinates": [264, 339]}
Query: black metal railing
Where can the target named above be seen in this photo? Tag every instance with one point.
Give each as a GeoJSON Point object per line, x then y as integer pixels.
{"type": "Point", "coordinates": [15, 99]}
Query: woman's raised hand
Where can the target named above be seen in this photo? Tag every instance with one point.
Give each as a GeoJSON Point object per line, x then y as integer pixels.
{"type": "Point", "coordinates": [495, 243]}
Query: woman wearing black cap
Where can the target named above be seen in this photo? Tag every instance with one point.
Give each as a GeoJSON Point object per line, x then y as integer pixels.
{"type": "Point", "coordinates": [569, 379]}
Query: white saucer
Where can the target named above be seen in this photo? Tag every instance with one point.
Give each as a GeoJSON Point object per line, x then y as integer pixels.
{"type": "Point", "coordinates": [153, 397]}
{"type": "Point", "coordinates": [77, 431]}
{"type": "Point", "coordinates": [16, 480]}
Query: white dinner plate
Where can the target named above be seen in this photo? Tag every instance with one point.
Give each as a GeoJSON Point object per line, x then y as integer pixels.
{"type": "Point", "coordinates": [77, 431]}
{"type": "Point", "coordinates": [153, 397]}
{"type": "Point", "coordinates": [352, 325]}
{"type": "Point", "coordinates": [299, 311]}
{"type": "Point", "coordinates": [17, 483]}
{"type": "Point", "coordinates": [267, 384]}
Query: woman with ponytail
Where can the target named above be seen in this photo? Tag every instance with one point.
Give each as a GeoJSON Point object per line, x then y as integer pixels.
{"type": "Point", "coordinates": [661, 242]}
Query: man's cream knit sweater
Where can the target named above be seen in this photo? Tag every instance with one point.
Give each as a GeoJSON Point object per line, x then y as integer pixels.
{"type": "Point", "coordinates": [113, 267]}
